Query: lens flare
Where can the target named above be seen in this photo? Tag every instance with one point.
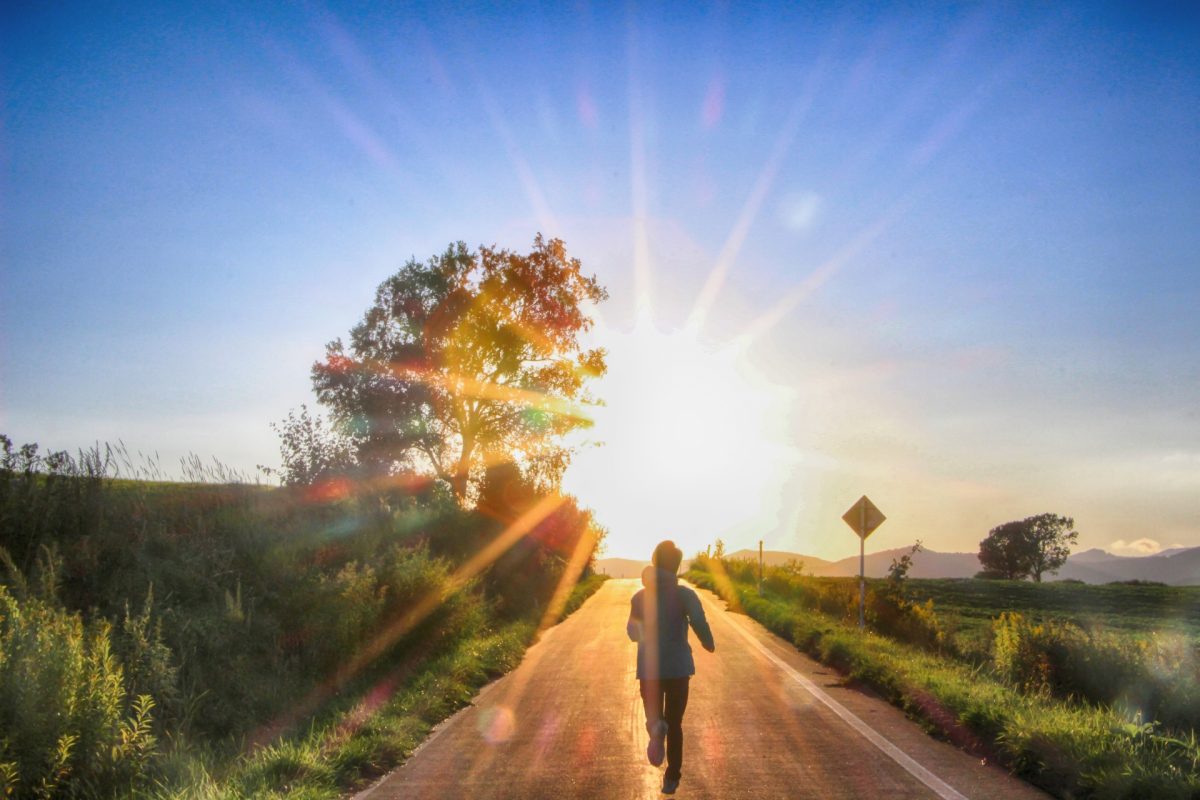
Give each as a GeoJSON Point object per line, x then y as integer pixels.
{"type": "Point", "coordinates": [496, 725]}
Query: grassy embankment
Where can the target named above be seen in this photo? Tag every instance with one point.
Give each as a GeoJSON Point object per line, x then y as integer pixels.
{"type": "Point", "coordinates": [1017, 692]}
{"type": "Point", "coordinates": [374, 734]}
{"type": "Point", "coordinates": [200, 640]}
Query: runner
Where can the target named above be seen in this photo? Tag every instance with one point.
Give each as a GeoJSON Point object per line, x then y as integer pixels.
{"type": "Point", "coordinates": [659, 616]}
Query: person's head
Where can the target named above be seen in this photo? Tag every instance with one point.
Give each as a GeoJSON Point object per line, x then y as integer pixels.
{"type": "Point", "coordinates": [667, 556]}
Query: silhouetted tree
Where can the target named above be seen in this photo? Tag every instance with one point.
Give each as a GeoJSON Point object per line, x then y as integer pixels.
{"type": "Point", "coordinates": [1029, 547]}
{"type": "Point", "coordinates": [470, 358]}
{"type": "Point", "coordinates": [1005, 552]}
{"type": "Point", "coordinates": [1051, 537]}
{"type": "Point", "coordinates": [310, 449]}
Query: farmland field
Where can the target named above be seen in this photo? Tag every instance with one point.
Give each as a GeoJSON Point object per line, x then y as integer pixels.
{"type": "Point", "coordinates": [968, 606]}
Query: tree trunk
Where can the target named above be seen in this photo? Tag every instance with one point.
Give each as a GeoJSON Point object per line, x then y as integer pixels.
{"type": "Point", "coordinates": [462, 472]}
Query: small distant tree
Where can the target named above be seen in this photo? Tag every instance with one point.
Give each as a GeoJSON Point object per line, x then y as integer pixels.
{"type": "Point", "coordinates": [793, 566]}
{"type": "Point", "coordinates": [718, 551]}
{"type": "Point", "coordinates": [1051, 538]}
{"type": "Point", "coordinates": [1027, 548]}
{"type": "Point", "coordinates": [311, 450]}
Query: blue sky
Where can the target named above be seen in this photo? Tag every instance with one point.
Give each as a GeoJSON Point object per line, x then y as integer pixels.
{"type": "Point", "coordinates": [992, 213]}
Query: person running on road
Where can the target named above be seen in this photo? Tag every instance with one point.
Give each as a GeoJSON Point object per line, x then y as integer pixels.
{"type": "Point", "coordinates": [659, 615]}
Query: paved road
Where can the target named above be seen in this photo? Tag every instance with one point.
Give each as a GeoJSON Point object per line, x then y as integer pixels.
{"type": "Point", "coordinates": [763, 721]}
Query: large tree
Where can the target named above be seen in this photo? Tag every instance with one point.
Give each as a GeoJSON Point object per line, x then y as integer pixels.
{"type": "Point", "coordinates": [467, 359]}
{"type": "Point", "coordinates": [1029, 547]}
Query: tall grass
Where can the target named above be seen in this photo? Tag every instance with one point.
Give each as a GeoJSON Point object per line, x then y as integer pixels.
{"type": "Point", "coordinates": [71, 727]}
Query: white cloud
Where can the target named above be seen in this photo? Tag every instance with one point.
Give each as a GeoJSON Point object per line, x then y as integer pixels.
{"type": "Point", "coordinates": [1138, 547]}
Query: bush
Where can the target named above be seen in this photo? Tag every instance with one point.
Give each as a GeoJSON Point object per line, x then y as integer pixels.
{"type": "Point", "coordinates": [890, 613]}
{"type": "Point", "coordinates": [68, 723]}
{"type": "Point", "coordinates": [887, 609]}
{"type": "Point", "coordinates": [1152, 679]}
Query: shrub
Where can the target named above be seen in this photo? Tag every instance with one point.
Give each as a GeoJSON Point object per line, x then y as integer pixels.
{"type": "Point", "coordinates": [888, 610]}
{"type": "Point", "coordinates": [147, 662]}
{"type": "Point", "coordinates": [68, 723]}
{"type": "Point", "coordinates": [1148, 678]}
{"type": "Point", "coordinates": [893, 614]}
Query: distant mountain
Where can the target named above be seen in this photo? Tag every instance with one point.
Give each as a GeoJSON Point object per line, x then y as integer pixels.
{"type": "Point", "coordinates": [1093, 556]}
{"type": "Point", "coordinates": [925, 564]}
{"type": "Point", "coordinates": [1179, 566]}
{"type": "Point", "coordinates": [1174, 551]}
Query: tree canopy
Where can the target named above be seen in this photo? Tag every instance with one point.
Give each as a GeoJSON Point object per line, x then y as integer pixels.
{"type": "Point", "coordinates": [1027, 548]}
{"type": "Point", "coordinates": [468, 359]}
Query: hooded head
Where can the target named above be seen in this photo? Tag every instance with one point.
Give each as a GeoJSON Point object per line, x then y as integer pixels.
{"type": "Point", "coordinates": [667, 557]}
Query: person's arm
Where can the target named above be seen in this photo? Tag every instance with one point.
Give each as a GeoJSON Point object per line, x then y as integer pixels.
{"type": "Point", "coordinates": [633, 628]}
{"type": "Point", "coordinates": [696, 618]}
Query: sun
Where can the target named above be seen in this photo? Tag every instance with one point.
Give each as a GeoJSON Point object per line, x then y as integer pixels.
{"type": "Point", "coordinates": [689, 443]}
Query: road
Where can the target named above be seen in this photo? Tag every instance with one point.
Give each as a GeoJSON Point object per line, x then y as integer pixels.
{"type": "Point", "coordinates": [763, 721]}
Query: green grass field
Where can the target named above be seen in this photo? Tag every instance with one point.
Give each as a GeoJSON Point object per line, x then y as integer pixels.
{"type": "Point", "coordinates": [967, 607]}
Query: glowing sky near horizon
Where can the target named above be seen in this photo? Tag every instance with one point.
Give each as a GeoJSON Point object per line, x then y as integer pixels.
{"type": "Point", "coordinates": [948, 259]}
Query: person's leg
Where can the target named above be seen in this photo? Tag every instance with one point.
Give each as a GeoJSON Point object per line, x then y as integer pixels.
{"type": "Point", "coordinates": [676, 697]}
{"type": "Point", "coordinates": [656, 726]}
{"type": "Point", "coordinates": [652, 701]}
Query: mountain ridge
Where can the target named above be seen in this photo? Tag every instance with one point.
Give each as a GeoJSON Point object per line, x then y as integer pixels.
{"type": "Point", "coordinates": [1180, 567]}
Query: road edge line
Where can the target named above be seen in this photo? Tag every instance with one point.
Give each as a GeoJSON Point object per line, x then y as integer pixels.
{"type": "Point", "coordinates": [933, 782]}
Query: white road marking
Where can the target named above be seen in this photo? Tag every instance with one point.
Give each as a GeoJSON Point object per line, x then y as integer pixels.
{"type": "Point", "coordinates": [935, 784]}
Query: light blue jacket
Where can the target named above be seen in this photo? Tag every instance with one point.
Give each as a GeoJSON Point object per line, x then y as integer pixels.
{"type": "Point", "coordinates": [659, 615]}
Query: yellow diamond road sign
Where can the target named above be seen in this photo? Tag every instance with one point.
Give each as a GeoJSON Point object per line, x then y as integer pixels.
{"type": "Point", "coordinates": [864, 517]}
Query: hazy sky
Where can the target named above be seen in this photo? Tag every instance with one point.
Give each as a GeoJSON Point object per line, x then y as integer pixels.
{"type": "Point", "coordinates": [950, 260]}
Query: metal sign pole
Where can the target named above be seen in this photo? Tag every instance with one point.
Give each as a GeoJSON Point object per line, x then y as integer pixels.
{"type": "Point", "coordinates": [863, 518]}
{"type": "Point", "coordinates": [760, 567]}
{"type": "Point", "coordinates": [862, 563]}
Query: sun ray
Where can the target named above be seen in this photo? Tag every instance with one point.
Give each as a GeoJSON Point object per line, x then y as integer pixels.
{"type": "Point", "coordinates": [642, 274]}
{"type": "Point", "coordinates": [725, 587]}
{"type": "Point", "coordinates": [474, 388]}
{"type": "Point", "coordinates": [514, 687]}
{"type": "Point", "coordinates": [821, 275]}
{"type": "Point", "coordinates": [352, 126]}
{"type": "Point", "coordinates": [570, 577]}
{"type": "Point", "coordinates": [749, 212]}
{"type": "Point", "coordinates": [414, 616]}
{"type": "Point", "coordinates": [516, 157]}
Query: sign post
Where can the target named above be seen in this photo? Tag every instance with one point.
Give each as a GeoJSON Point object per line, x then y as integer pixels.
{"type": "Point", "coordinates": [863, 518]}
{"type": "Point", "coordinates": [760, 567]}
